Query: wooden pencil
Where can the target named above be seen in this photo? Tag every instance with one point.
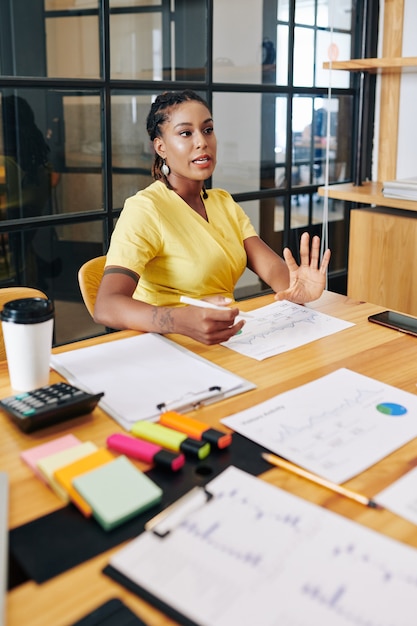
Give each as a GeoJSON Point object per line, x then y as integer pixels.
{"type": "Point", "coordinates": [290, 467]}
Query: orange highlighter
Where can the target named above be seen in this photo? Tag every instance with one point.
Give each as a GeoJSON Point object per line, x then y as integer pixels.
{"type": "Point", "coordinates": [196, 429]}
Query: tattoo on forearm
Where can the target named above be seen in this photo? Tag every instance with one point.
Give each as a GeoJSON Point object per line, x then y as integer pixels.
{"type": "Point", "coordinates": [163, 319]}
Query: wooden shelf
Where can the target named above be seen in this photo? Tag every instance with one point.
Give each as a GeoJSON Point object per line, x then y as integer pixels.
{"type": "Point", "coordinates": [367, 193]}
{"type": "Point", "coordinates": [373, 64]}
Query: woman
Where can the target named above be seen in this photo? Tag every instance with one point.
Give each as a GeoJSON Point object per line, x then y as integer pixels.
{"type": "Point", "coordinates": [176, 238]}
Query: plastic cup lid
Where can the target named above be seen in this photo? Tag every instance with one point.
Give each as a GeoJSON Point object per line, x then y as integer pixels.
{"type": "Point", "coordinates": [27, 310]}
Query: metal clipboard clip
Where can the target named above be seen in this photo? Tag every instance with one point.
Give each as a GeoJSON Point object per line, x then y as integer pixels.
{"type": "Point", "coordinates": [192, 400]}
{"type": "Point", "coordinates": [171, 517]}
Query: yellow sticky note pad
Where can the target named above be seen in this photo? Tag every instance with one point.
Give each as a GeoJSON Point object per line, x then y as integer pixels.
{"type": "Point", "coordinates": [65, 475]}
{"type": "Point", "coordinates": [50, 464]}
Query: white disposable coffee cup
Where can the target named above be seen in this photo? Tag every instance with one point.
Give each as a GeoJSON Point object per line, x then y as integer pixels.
{"type": "Point", "coordinates": [27, 331]}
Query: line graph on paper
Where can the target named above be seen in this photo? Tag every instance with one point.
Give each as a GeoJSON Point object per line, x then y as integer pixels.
{"type": "Point", "coordinates": [255, 554]}
{"type": "Point", "coordinates": [282, 326]}
{"type": "Point", "coordinates": [366, 586]}
{"type": "Point", "coordinates": [335, 426]}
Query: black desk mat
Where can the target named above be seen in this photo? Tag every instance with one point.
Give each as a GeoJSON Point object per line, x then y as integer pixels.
{"type": "Point", "coordinates": [61, 540]}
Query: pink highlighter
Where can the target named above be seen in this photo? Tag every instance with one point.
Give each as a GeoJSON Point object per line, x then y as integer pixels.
{"type": "Point", "coordinates": [145, 451]}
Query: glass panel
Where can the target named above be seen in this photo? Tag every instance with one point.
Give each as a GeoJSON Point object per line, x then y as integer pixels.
{"type": "Point", "coordinates": [303, 56]}
{"type": "Point", "coordinates": [132, 151]}
{"type": "Point", "coordinates": [272, 222]}
{"type": "Point", "coordinates": [338, 234]}
{"type": "Point", "coordinates": [81, 125]}
{"type": "Point", "coordinates": [238, 58]}
{"type": "Point", "coordinates": [72, 46]}
{"type": "Point", "coordinates": [335, 14]}
{"type": "Point", "coordinates": [52, 154]}
{"type": "Point", "coordinates": [136, 46]}
{"type": "Point", "coordinates": [280, 148]}
{"type": "Point", "coordinates": [25, 156]}
{"type": "Point", "coordinates": [250, 156]}
{"type": "Point", "coordinates": [134, 3]}
{"type": "Point", "coordinates": [283, 10]}
{"type": "Point", "coordinates": [70, 246]}
{"type": "Point", "coordinates": [303, 145]}
{"type": "Point", "coordinates": [302, 206]}
{"type": "Point", "coordinates": [249, 284]}
{"type": "Point", "coordinates": [81, 164]}
{"type": "Point", "coordinates": [22, 36]}
{"type": "Point", "coordinates": [332, 47]}
{"type": "Point", "coordinates": [341, 131]}
{"type": "Point", "coordinates": [309, 150]}
{"type": "Point", "coordinates": [282, 55]}
{"type": "Point", "coordinates": [237, 123]}
{"type": "Point", "coordinates": [52, 5]}
{"type": "Point", "coordinates": [307, 210]}
{"type": "Point", "coordinates": [305, 12]}
{"type": "Point", "coordinates": [189, 40]}
{"type": "Point", "coordinates": [78, 192]}
{"type": "Point", "coordinates": [309, 214]}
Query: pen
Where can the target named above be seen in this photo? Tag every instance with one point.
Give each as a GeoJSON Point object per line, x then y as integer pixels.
{"type": "Point", "coordinates": [203, 304]}
{"type": "Point", "coordinates": [275, 460]}
{"type": "Point", "coordinates": [145, 451]}
{"type": "Point", "coordinates": [196, 429]}
{"type": "Point", "coordinates": [171, 439]}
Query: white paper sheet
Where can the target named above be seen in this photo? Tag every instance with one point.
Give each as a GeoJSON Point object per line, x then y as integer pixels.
{"type": "Point", "coordinates": [282, 326]}
{"type": "Point", "coordinates": [255, 554]}
{"type": "Point", "coordinates": [401, 496]}
{"type": "Point", "coordinates": [140, 372]}
{"type": "Point", "coordinates": [336, 426]}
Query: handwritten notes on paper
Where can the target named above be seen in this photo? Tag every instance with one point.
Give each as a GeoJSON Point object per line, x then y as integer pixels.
{"type": "Point", "coordinates": [336, 426]}
{"type": "Point", "coordinates": [255, 554]}
{"type": "Point", "coordinates": [282, 326]}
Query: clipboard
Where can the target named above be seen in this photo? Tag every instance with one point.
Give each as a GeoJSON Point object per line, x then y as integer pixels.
{"type": "Point", "coordinates": [246, 550]}
{"type": "Point", "coordinates": [161, 526]}
{"type": "Point", "coordinates": [145, 374]}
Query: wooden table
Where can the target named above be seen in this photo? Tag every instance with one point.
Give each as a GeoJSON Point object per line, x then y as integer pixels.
{"type": "Point", "coordinates": [381, 353]}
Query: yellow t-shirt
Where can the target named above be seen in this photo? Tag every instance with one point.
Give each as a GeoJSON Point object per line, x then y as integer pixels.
{"type": "Point", "coordinates": [174, 250]}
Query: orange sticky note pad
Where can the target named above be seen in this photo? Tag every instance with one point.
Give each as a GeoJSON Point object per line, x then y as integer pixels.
{"type": "Point", "coordinates": [65, 475]}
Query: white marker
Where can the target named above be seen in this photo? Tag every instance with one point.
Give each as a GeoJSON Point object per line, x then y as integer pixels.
{"type": "Point", "coordinates": [203, 304]}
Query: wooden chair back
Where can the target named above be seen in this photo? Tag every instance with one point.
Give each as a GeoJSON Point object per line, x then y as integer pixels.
{"type": "Point", "coordinates": [89, 278]}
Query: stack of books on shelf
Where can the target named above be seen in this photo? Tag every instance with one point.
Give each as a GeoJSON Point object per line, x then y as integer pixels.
{"type": "Point", "coordinates": [405, 188]}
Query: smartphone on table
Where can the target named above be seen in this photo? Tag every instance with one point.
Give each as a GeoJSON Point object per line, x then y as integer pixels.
{"type": "Point", "coordinates": [397, 321]}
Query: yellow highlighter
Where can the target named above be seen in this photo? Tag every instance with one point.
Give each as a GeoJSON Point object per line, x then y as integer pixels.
{"type": "Point", "coordinates": [170, 439]}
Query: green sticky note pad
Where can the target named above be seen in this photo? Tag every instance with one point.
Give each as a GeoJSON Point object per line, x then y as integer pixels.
{"type": "Point", "coordinates": [117, 492]}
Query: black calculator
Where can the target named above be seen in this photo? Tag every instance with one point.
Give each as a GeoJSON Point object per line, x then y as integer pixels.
{"type": "Point", "coordinates": [31, 410]}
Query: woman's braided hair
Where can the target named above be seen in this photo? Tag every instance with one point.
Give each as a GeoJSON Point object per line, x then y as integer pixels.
{"type": "Point", "coordinates": [159, 114]}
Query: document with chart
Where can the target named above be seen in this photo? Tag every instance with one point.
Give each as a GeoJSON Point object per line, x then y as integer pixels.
{"type": "Point", "coordinates": [336, 426]}
{"type": "Point", "coordinates": [255, 554]}
{"type": "Point", "coordinates": [282, 326]}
